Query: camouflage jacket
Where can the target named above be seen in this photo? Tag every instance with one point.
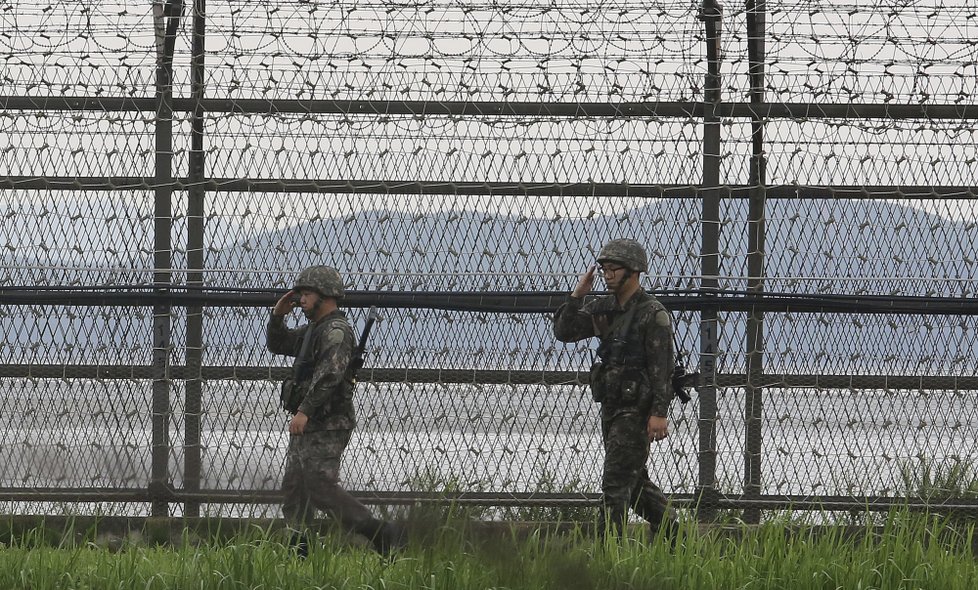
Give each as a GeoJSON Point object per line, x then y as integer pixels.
{"type": "Point", "coordinates": [648, 343]}
{"type": "Point", "coordinates": [326, 394]}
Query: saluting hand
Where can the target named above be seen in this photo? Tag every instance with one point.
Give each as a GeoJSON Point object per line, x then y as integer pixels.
{"type": "Point", "coordinates": [586, 283]}
{"type": "Point", "coordinates": [285, 304]}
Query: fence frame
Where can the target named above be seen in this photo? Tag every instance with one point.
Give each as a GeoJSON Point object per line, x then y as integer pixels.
{"type": "Point", "coordinates": [709, 301]}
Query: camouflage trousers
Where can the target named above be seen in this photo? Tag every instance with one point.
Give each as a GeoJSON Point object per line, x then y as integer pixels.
{"type": "Point", "coordinates": [625, 479]}
{"type": "Point", "coordinates": [312, 481]}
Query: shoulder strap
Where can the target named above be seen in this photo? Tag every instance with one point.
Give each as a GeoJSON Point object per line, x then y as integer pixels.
{"type": "Point", "coordinates": [303, 364]}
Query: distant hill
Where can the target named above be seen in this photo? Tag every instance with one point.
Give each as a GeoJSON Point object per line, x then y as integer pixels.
{"type": "Point", "coordinates": [832, 247]}
{"type": "Point", "coordinates": [852, 247]}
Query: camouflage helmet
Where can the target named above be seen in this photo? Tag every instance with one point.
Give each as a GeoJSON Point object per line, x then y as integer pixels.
{"type": "Point", "coordinates": [324, 279]}
{"type": "Point", "coordinates": [627, 253]}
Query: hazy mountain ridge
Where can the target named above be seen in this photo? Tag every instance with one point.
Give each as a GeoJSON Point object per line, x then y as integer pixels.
{"type": "Point", "coordinates": [875, 240]}
{"type": "Point", "coordinates": [830, 248]}
{"type": "Point", "coordinates": [475, 251]}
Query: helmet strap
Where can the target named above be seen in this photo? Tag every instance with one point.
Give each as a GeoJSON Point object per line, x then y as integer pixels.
{"type": "Point", "coordinates": [314, 311]}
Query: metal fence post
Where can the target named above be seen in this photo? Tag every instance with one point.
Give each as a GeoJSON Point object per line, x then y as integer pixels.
{"type": "Point", "coordinates": [754, 391]}
{"type": "Point", "coordinates": [166, 18]}
{"type": "Point", "coordinates": [195, 265]}
{"type": "Point", "coordinates": [707, 494]}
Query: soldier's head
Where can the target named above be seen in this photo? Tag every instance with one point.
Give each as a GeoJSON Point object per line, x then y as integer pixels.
{"type": "Point", "coordinates": [622, 261]}
{"type": "Point", "coordinates": [319, 289]}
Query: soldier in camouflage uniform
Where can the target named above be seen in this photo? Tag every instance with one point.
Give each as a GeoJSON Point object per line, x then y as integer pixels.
{"type": "Point", "coordinates": [631, 381]}
{"type": "Point", "coordinates": [320, 399]}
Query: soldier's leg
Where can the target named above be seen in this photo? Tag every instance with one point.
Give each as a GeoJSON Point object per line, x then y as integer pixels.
{"type": "Point", "coordinates": [297, 507]}
{"type": "Point", "coordinates": [322, 478]}
{"type": "Point", "coordinates": [650, 503]}
{"type": "Point", "coordinates": [626, 449]}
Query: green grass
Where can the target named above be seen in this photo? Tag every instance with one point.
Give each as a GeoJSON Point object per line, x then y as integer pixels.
{"type": "Point", "coordinates": [948, 478]}
{"type": "Point", "coordinates": [907, 551]}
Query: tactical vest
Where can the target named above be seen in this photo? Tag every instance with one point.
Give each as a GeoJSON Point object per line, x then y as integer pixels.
{"type": "Point", "coordinates": [618, 377]}
{"type": "Point", "coordinates": [294, 390]}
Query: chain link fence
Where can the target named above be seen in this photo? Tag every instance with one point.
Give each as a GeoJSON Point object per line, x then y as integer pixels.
{"type": "Point", "coordinates": [803, 174]}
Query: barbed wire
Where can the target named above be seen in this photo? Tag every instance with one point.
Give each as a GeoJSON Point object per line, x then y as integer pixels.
{"type": "Point", "coordinates": [892, 50]}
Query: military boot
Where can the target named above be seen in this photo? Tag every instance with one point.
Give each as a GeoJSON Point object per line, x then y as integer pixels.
{"type": "Point", "coordinates": [670, 531]}
{"type": "Point", "coordinates": [389, 538]}
{"type": "Point", "coordinates": [299, 545]}
{"type": "Point", "coordinates": [611, 522]}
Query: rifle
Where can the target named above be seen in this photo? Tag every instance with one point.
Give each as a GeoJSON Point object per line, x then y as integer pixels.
{"type": "Point", "coordinates": [681, 380]}
{"type": "Point", "coordinates": [356, 360]}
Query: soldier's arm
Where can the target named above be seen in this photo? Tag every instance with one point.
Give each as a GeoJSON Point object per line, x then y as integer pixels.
{"type": "Point", "coordinates": [333, 352]}
{"type": "Point", "coordinates": [661, 359]}
{"type": "Point", "coordinates": [572, 322]}
{"type": "Point", "coordinates": [281, 340]}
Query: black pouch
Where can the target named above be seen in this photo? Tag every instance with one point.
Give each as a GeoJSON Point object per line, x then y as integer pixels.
{"type": "Point", "coordinates": [290, 396]}
{"type": "Point", "coordinates": [597, 383]}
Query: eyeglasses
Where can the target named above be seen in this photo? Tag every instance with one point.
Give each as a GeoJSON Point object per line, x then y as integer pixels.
{"type": "Point", "coordinates": [609, 269]}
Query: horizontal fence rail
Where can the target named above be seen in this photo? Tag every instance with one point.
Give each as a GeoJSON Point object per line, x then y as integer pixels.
{"type": "Point", "coordinates": [730, 110]}
{"type": "Point", "coordinates": [486, 188]}
{"type": "Point", "coordinates": [495, 302]}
